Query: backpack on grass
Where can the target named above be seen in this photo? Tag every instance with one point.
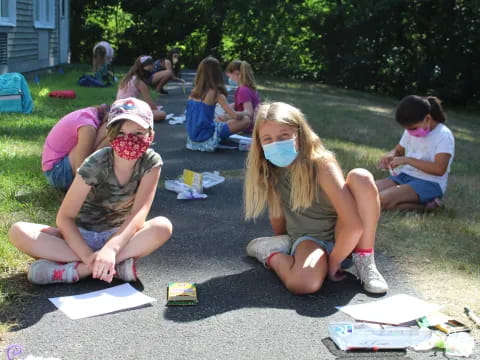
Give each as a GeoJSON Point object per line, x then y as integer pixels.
{"type": "Point", "coordinates": [15, 94]}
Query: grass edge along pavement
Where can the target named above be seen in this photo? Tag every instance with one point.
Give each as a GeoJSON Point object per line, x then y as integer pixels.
{"type": "Point", "coordinates": [438, 251]}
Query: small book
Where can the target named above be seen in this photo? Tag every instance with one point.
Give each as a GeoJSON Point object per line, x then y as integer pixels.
{"type": "Point", "coordinates": [193, 179]}
{"type": "Point", "coordinates": [182, 293]}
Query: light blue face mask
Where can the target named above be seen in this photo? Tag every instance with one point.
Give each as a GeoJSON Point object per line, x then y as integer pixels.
{"type": "Point", "coordinates": [280, 153]}
{"type": "Point", "coordinates": [232, 83]}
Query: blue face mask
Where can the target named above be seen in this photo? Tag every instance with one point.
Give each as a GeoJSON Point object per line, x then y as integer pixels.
{"type": "Point", "coordinates": [280, 153]}
{"type": "Point", "coordinates": [232, 83]}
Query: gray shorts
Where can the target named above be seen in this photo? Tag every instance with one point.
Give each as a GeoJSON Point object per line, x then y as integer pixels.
{"type": "Point", "coordinates": [95, 240]}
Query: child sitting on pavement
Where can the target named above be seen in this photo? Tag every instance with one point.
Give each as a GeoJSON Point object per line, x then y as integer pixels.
{"type": "Point", "coordinates": [203, 132]}
{"type": "Point", "coordinates": [134, 84]}
{"type": "Point", "coordinates": [102, 225]}
{"type": "Point", "coordinates": [318, 217]}
{"type": "Point", "coordinates": [246, 95]}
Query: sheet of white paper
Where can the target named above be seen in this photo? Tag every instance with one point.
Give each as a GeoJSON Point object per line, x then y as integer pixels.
{"type": "Point", "coordinates": [101, 302]}
{"type": "Point", "coordinates": [397, 309]}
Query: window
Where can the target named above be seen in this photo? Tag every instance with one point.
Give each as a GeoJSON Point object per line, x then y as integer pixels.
{"type": "Point", "coordinates": [44, 14]}
{"type": "Point", "coordinates": [8, 13]}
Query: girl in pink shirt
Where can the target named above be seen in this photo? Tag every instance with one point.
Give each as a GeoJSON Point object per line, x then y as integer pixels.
{"type": "Point", "coordinates": [246, 96]}
{"type": "Point", "coordinates": [134, 84]}
{"type": "Point", "coordinates": [70, 141]}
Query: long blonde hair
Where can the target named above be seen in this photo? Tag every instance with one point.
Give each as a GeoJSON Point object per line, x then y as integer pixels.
{"type": "Point", "coordinates": [261, 178]}
{"type": "Point", "coordinates": [246, 73]}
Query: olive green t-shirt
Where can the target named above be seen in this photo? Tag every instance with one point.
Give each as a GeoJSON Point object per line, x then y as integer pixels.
{"type": "Point", "coordinates": [317, 221]}
{"type": "Point", "coordinates": [108, 203]}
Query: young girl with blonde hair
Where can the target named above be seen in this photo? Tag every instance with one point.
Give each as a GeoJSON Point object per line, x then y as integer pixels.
{"type": "Point", "coordinates": [318, 217]}
{"type": "Point", "coordinates": [203, 132]}
{"type": "Point", "coordinates": [246, 95]}
{"type": "Point", "coordinates": [134, 84]}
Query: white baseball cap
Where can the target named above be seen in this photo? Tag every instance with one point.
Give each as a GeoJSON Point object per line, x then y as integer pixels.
{"type": "Point", "coordinates": [132, 109]}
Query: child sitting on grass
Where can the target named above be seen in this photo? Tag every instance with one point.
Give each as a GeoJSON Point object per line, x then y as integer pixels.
{"type": "Point", "coordinates": [102, 225]}
{"type": "Point", "coordinates": [203, 132]}
{"type": "Point", "coordinates": [70, 141]}
{"type": "Point", "coordinates": [134, 84]}
{"type": "Point", "coordinates": [420, 163]}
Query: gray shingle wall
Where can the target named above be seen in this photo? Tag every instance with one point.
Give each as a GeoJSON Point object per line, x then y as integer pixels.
{"type": "Point", "coordinates": [28, 48]}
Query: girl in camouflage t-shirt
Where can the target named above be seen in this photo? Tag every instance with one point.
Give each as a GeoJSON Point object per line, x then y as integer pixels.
{"type": "Point", "coordinates": [102, 225]}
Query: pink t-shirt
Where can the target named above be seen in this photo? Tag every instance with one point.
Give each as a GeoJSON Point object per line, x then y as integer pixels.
{"type": "Point", "coordinates": [245, 94]}
{"type": "Point", "coordinates": [64, 135]}
{"type": "Point", "coordinates": [129, 91]}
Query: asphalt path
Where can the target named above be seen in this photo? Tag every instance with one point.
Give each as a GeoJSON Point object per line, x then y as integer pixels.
{"type": "Point", "coordinates": [244, 311]}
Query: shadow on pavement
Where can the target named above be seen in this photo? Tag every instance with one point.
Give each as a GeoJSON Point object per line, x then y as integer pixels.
{"type": "Point", "coordinates": [254, 289]}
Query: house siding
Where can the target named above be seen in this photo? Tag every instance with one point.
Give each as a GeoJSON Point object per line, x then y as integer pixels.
{"type": "Point", "coordinates": [28, 48]}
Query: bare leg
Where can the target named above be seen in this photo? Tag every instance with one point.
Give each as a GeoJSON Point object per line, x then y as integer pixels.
{"type": "Point", "coordinates": [305, 271]}
{"type": "Point", "coordinates": [41, 242]}
{"type": "Point", "coordinates": [160, 78]}
{"type": "Point", "coordinates": [399, 195]}
{"type": "Point", "coordinates": [150, 237]}
{"type": "Point", "coordinates": [158, 115]}
{"type": "Point", "coordinates": [236, 126]}
{"type": "Point", "coordinates": [383, 184]}
{"type": "Point", "coordinates": [364, 191]}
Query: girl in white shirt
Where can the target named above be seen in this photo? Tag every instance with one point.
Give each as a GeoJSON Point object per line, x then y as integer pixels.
{"type": "Point", "coordinates": [420, 163]}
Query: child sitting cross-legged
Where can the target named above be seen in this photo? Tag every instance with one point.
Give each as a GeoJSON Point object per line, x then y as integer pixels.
{"type": "Point", "coordinates": [101, 224]}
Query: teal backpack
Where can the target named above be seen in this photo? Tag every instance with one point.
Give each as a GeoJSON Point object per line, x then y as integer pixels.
{"type": "Point", "coordinates": [15, 94]}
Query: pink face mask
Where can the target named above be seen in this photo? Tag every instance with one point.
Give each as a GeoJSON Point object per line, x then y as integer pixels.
{"type": "Point", "coordinates": [419, 132]}
{"type": "Point", "coordinates": [130, 146]}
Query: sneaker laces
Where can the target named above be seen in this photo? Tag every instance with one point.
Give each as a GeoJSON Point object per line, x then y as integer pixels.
{"type": "Point", "coordinates": [366, 269]}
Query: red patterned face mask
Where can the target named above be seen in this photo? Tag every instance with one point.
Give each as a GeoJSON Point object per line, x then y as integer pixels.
{"type": "Point", "coordinates": [130, 146]}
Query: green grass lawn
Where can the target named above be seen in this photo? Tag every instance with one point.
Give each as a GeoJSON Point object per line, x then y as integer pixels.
{"type": "Point", "coordinates": [440, 251]}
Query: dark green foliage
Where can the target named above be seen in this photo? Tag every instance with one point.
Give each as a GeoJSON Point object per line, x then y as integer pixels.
{"type": "Point", "coordinates": [392, 47]}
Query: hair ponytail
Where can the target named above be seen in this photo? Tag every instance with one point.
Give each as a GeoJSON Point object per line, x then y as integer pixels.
{"type": "Point", "coordinates": [246, 75]}
{"type": "Point", "coordinates": [412, 109]}
{"type": "Point", "coordinates": [436, 109]}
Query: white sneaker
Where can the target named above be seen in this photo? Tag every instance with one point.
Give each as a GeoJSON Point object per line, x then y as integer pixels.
{"type": "Point", "coordinates": [43, 272]}
{"type": "Point", "coordinates": [367, 272]}
{"type": "Point", "coordinates": [262, 247]}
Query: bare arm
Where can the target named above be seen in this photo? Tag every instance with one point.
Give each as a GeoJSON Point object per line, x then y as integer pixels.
{"type": "Point", "coordinates": [248, 108]}
{"type": "Point", "coordinates": [438, 167]}
{"type": "Point", "coordinates": [85, 145]}
{"type": "Point", "coordinates": [222, 100]}
{"type": "Point", "coordinates": [279, 226]}
{"type": "Point", "coordinates": [385, 161]}
{"type": "Point", "coordinates": [169, 66]}
{"type": "Point", "coordinates": [67, 213]}
{"type": "Point", "coordinates": [349, 226]}
{"type": "Point", "coordinates": [132, 224]}
{"type": "Point", "coordinates": [145, 91]}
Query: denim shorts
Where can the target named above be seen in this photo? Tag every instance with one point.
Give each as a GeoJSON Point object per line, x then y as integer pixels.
{"type": "Point", "coordinates": [326, 246]}
{"type": "Point", "coordinates": [426, 190]}
{"type": "Point", "coordinates": [96, 240]}
{"type": "Point", "coordinates": [61, 175]}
